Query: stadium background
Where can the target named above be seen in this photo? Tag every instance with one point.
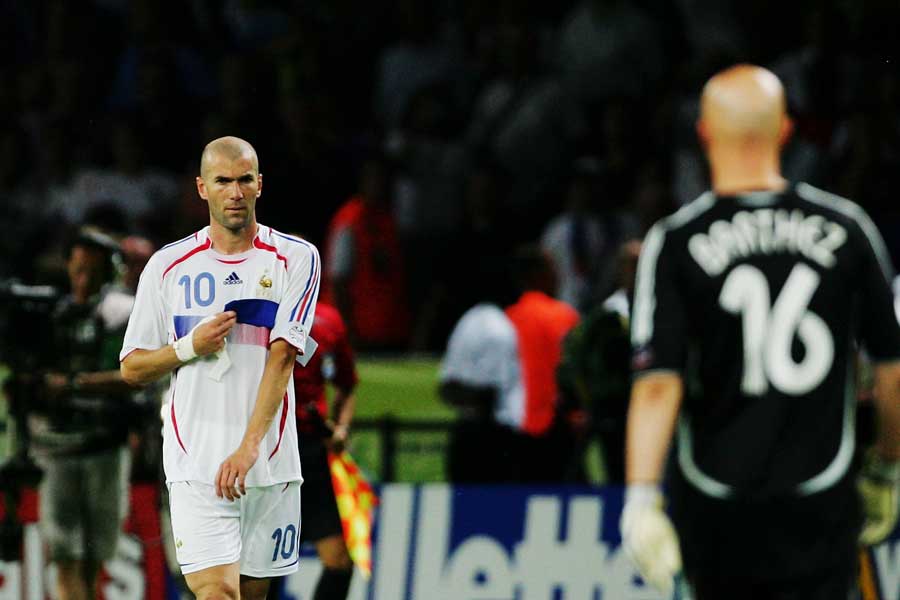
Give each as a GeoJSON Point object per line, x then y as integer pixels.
{"type": "Point", "coordinates": [520, 92]}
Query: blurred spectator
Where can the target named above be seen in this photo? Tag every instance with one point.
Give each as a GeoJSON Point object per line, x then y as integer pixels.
{"type": "Point", "coordinates": [310, 151]}
{"type": "Point", "coordinates": [20, 32]}
{"type": "Point", "coordinates": [866, 153]}
{"type": "Point", "coordinates": [136, 251]}
{"type": "Point", "coordinates": [711, 27]}
{"type": "Point", "coordinates": [819, 74]}
{"type": "Point", "coordinates": [163, 80]}
{"type": "Point", "coordinates": [364, 273]}
{"type": "Point", "coordinates": [575, 240]}
{"type": "Point", "coordinates": [253, 24]}
{"type": "Point", "coordinates": [820, 78]}
{"type": "Point", "coordinates": [20, 204]}
{"type": "Point", "coordinates": [594, 374]}
{"type": "Point", "coordinates": [430, 169]}
{"type": "Point", "coordinates": [610, 48]}
{"type": "Point", "coordinates": [541, 323]}
{"type": "Point", "coordinates": [481, 377]}
{"type": "Point", "coordinates": [524, 121]}
{"type": "Point", "coordinates": [480, 252]}
{"type": "Point", "coordinates": [78, 437]}
{"type": "Point", "coordinates": [618, 129]}
{"type": "Point", "coordinates": [430, 177]}
{"type": "Point", "coordinates": [650, 201]}
{"type": "Point", "coordinates": [425, 53]}
{"type": "Point", "coordinates": [239, 108]}
{"type": "Point", "coordinates": [485, 229]}
{"type": "Point", "coordinates": [142, 195]}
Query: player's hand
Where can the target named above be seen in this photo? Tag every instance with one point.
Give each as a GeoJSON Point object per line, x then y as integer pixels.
{"type": "Point", "coordinates": [209, 337]}
{"type": "Point", "coordinates": [879, 488]}
{"type": "Point", "coordinates": [233, 471]}
{"type": "Point", "coordinates": [338, 440]}
{"type": "Point", "coordinates": [648, 537]}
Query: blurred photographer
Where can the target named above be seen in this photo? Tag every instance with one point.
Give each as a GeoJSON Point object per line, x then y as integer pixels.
{"type": "Point", "coordinates": [78, 424]}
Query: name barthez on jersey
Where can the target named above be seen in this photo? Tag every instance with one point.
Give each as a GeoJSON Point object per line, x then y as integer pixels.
{"type": "Point", "coordinates": [233, 279]}
{"type": "Point", "coordinates": [766, 231]}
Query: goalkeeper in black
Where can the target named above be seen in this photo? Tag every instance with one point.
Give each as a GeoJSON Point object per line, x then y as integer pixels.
{"type": "Point", "coordinates": [751, 305]}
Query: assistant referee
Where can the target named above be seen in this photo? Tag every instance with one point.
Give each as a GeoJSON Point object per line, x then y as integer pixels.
{"type": "Point", "coordinates": [332, 363]}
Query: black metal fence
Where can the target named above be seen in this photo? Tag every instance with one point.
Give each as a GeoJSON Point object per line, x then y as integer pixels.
{"type": "Point", "coordinates": [379, 443]}
{"type": "Point", "coordinates": [391, 449]}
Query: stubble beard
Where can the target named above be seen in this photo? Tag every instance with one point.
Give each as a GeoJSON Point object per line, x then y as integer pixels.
{"type": "Point", "coordinates": [235, 224]}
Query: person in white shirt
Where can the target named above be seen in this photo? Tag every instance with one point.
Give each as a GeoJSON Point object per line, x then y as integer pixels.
{"type": "Point", "coordinates": [481, 378]}
{"type": "Point", "coordinates": [226, 311]}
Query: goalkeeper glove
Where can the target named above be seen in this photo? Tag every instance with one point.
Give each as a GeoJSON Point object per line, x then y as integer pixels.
{"type": "Point", "coordinates": [879, 487]}
{"type": "Point", "coordinates": [649, 538]}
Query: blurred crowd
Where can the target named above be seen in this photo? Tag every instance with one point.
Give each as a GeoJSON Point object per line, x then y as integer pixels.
{"type": "Point", "coordinates": [422, 138]}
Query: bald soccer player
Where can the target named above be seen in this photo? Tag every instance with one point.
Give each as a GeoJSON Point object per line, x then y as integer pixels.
{"type": "Point", "coordinates": [225, 312]}
{"type": "Point", "coordinates": [750, 304]}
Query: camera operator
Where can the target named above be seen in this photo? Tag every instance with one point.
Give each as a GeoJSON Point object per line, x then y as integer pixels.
{"type": "Point", "coordinates": [79, 426]}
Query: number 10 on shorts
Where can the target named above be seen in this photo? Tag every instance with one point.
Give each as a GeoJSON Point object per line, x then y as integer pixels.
{"type": "Point", "coordinates": [285, 542]}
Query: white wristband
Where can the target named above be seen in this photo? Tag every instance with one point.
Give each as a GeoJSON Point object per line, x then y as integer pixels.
{"type": "Point", "coordinates": [643, 494]}
{"type": "Point", "coordinates": [184, 347]}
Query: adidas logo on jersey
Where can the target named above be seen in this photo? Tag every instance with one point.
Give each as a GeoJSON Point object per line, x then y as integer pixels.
{"type": "Point", "coordinates": [233, 279]}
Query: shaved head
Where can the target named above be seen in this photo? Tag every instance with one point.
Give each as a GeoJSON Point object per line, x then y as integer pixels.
{"type": "Point", "coordinates": [230, 183]}
{"type": "Point", "coordinates": [744, 103]}
{"type": "Point", "coordinates": [743, 126]}
{"type": "Point", "coordinates": [230, 148]}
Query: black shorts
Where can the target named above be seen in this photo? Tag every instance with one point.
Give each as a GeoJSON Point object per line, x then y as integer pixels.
{"type": "Point", "coordinates": [789, 539]}
{"type": "Point", "coordinates": [319, 516]}
{"type": "Point", "coordinates": [835, 584]}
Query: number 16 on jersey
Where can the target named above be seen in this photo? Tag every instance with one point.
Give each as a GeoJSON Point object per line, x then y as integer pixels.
{"type": "Point", "coordinates": [769, 331]}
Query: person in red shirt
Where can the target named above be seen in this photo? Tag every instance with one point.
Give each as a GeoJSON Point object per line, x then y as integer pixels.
{"type": "Point", "coordinates": [365, 276]}
{"type": "Point", "coordinates": [318, 433]}
{"type": "Point", "coordinates": [541, 322]}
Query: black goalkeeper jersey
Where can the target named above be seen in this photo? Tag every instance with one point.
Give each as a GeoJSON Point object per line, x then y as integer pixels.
{"type": "Point", "coordinates": [761, 301]}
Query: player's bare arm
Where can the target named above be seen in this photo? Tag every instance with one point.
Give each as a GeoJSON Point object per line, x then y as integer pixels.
{"type": "Point", "coordinates": [145, 366]}
{"type": "Point", "coordinates": [343, 408]}
{"type": "Point", "coordinates": [647, 534]}
{"type": "Point", "coordinates": [652, 412]}
{"type": "Point", "coordinates": [887, 402]}
{"type": "Point", "coordinates": [276, 376]}
{"type": "Point", "coordinates": [95, 382]}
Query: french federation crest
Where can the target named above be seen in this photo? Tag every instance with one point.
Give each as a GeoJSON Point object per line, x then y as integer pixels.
{"type": "Point", "coordinates": [265, 286]}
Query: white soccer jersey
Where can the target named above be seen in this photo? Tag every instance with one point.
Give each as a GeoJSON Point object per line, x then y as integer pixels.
{"type": "Point", "coordinates": [273, 287]}
{"type": "Point", "coordinates": [483, 351]}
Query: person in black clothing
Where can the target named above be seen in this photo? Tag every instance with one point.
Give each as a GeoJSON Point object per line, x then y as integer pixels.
{"type": "Point", "coordinates": [750, 305]}
{"type": "Point", "coordinates": [593, 376]}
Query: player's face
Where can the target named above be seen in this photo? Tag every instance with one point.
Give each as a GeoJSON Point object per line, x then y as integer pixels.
{"type": "Point", "coordinates": [231, 187]}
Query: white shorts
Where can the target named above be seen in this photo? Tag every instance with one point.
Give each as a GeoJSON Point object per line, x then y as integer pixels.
{"type": "Point", "coordinates": [261, 530]}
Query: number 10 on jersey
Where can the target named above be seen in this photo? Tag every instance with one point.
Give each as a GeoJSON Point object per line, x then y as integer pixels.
{"type": "Point", "coordinates": [769, 331]}
{"type": "Point", "coordinates": [204, 289]}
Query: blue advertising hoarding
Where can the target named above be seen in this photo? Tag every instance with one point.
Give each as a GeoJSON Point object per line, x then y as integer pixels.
{"type": "Point", "coordinates": [437, 542]}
